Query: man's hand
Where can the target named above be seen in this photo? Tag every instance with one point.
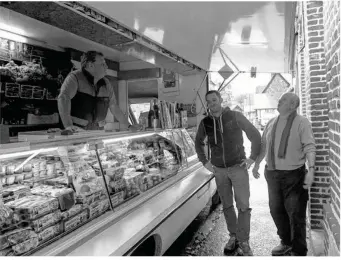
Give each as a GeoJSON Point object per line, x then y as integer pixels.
{"type": "Point", "coordinates": [135, 128]}
{"type": "Point", "coordinates": [74, 129]}
{"type": "Point", "coordinates": [309, 178]}
{"type": "Point", "coordinates": [255, 171]}
{"type": "Point", "coordinates": [247, 163]}
{"type": "Point", "coordinates": [209, 166]}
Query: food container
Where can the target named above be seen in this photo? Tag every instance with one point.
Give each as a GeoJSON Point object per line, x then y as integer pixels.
{"type": "Point", "coordinates": [34, 206]}
{"type": "Point", "coordinates": [117, 198]}
{"type": "Point", "coordinates": [41, 223]}
{"type": "Point", "coordinates": [65, 196]}
{"type": "Point", "coordinates": [49, 233]}
{"type": "Point", "coordinates": [72, 211]}
{"type": "Point", "coordinates": [20, 235]}
{"type": "Point", "coordinates": [75, 221]}
{"type": "Point", "coordinates": [26, 246]}
{"type": "Point", "coordinates": [27, 167]}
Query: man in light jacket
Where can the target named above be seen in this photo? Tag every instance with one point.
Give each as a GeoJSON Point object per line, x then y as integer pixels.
{"type": "Point", "coordinates": [287, 143]}
{"type": "Point", "coordinates": [224, 130]}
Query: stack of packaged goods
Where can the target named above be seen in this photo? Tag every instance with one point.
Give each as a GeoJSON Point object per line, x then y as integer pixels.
{"type": "Point", "coordinates": [169, 165]}
{"type": "Point", "coordinates": [116, 184]}
{"type": "Point", "coordinates": [37, 220]}
{"type": "Point", "coordinates": [14, 172]}
{"type": "Point", "coordinates": [14, 192]}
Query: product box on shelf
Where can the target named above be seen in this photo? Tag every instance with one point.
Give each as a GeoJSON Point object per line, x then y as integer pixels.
{"type": "Point", "coordinates": [26, 246]}
{"type": "Point", "coordinates": [33, 206]}
{"type": "Point", "coordinates": [75, 221]}
{"type": "Point", "coordinates": [65, 196]}
{"type": "Point", "coordinates": [117, 198]}
{"type": "Point", "coordinates": [43, 222]}
{"type": "Point", "coordinates": [16, 237]}
{"type": "Point", "coordinates": [50, 232]}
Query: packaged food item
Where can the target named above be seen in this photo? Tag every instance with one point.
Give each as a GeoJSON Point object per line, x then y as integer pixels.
{"type": "Point", "coordinates": [7, 252]}
{"type": "Point", "coordinates": [75, 221]}
{"type": "Point", "coordinates": [117, 185]}
{"type": "Point", "coordinates": [27, 167]}
{"type": "Point", "coordinates": [20, 235]}
{"type": "Point", "coordinates": [10, 169]}
{"type": "Point", "coordinates": [49, 233]}
{"type": "Point", "coordinates": [115, 173]}
{"type": "Point", "coordinates": [98, 208]}
{"type": "Point", "coordinates": [46, 221]}
{"type": "Point", "coordinates": [63, 180]}
{"type": "Point", "coordinates": [28, 175]}
{"type": "Point", "coordinates": [117, 198]}
{"type": "Point", "coordinates": [89, 198]}
{"type": "Point", "coordinates": [26, 246]}
{"type": "Point", "coordinates": [72, 211]}
{"type": "Point", "coordinates": [10, 179]}
{"type": "Point", "coordinates": [16, 191]}
{"type": "Point", "coordinates": [34, 206]}
{"type": "Point", "coordinates": [64, 195]}
{"type": "Point", "coordinates": [5, 214]}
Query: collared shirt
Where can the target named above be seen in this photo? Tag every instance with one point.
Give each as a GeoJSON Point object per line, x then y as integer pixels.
{"type": "Point", "coordinates": [301, 141]}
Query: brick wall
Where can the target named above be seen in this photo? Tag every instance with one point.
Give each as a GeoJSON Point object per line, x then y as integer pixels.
{"type": "Point", "coordinates": [331, 10]}
{"type": "Point", "coordinates": [317, 106]}
{"type": "Point", "coordinates": [318, 61]}
{"type": "Point", "coordinates": [300, 60]}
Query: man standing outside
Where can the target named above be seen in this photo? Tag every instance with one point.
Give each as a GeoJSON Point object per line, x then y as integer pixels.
{"type": "Point", "coordinates": [86, 95]}
{"type": "Point", "coordinates": [287, 142]}
{"type": "Point", "coordinates": [224, 130]}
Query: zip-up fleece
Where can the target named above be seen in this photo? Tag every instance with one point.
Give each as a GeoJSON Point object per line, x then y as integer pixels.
{"type": "Point", "coordinates": [225, 137]}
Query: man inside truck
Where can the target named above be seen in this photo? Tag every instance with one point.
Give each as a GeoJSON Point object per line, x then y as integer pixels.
{"type": "Point", "coordinates": [86, 95]}
{"type": "Point", "coordinates": [224, 130]}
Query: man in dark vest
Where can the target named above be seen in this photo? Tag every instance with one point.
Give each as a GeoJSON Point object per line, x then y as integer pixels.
{"type": "Point", "coordinates": [224, 130]}
{"type": "Point", "coordinates": [86, 95]}
{"type": "Point", "coordinates": [287, 143]}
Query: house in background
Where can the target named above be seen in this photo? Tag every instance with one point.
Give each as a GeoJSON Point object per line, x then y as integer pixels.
{"type": "Point", "coordinates": [237, 108]}
{"type": "Point", "coordinates": [249, 110]}
{"type": "Point", "coordinates": [265, 107]}
{"type": "Point", "coordinates": [266, 98]}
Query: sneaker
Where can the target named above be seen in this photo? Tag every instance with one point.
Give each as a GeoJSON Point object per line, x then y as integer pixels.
{"type": "Point", "coordinates": [230, 245]}
{"type": "Point", "coordinates": [280, 250]}
{"type": "Point", "coordinates": [244, 249]}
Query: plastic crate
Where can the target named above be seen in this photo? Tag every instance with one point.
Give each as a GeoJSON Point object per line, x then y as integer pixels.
{"type": "Point", "coordinates": [32, 92]}
{"type": "Point", "coordinates": [12, 90]}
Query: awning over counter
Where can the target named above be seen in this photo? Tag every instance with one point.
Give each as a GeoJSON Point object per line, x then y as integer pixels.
{"type": "Point", "coordinates": [250, 34]}
{"type": "Point", "coordinates": [185, 37]}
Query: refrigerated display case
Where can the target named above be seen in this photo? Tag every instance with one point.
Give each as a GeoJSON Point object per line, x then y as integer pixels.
{"type": "Point", "coordinates": [55, 187]}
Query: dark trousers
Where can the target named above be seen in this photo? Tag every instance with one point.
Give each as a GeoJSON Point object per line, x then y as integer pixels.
{"type": "Point", "coordinates": [288, 204]}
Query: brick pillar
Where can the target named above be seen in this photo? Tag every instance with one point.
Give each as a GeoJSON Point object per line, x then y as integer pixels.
{"type": "Point", "coordinates": [332, 49]}
{"type": "Point", "coordinates": [317, 106]}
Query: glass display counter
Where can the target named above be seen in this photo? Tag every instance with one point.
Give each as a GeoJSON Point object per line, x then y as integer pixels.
{"type": "Point", "coordinates": [53, 188]}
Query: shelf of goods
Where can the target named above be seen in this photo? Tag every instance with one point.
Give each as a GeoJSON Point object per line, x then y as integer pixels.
{"type": "Point", "coordinates": [54, 188]}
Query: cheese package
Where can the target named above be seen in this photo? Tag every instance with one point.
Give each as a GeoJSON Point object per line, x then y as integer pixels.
{"type": "Point", "coordinates": [26, 246]}
{"type": "Point", "coordinates": [34, 206]}
{"type": "Point", "coordinates": [46, 221]}
{"type": "Point", "coordinates": [64, 195]}
{"type": "Point", "coordinates": [75, 221]}
{"type": "Point", "coordinates": [72, 211]}
{"type": "Point", "coordinates": [49, 233]}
